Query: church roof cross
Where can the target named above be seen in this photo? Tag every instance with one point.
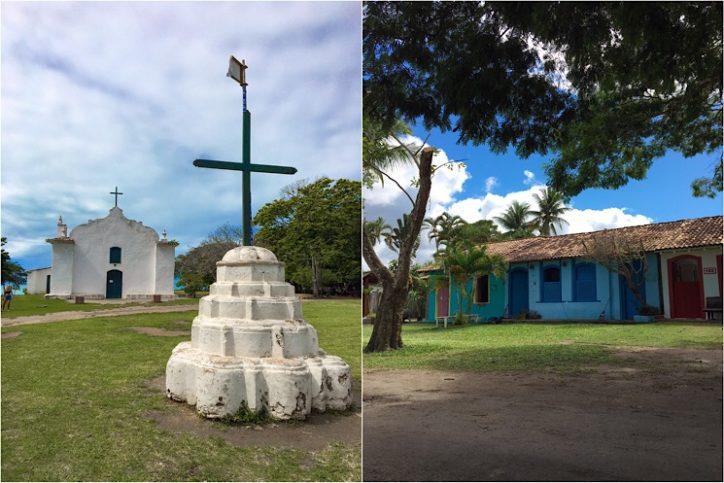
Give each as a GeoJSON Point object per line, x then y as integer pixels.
{"type": "Point", "coordinates": [116, 193]}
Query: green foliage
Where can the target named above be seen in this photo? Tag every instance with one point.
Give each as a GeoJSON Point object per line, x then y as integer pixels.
{"type": "Point", "coordinates": [382, 149]}
{"type": "Point", "coordinates": [197, 268]}
{"type": "Point", "coordinates": [12, 273]}
{"type": "Point", "coordinates": [246, 416]}
{"type": "Point", "coordinates": [614, 87]}
{"type": "Point", "coordinates": [315, 229]}
{"type": "Point", "coordinates": [517, 220]}
{"type": "Point", "coordinates": [394, 237]}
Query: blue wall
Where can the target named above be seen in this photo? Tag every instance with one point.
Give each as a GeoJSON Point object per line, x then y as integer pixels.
{"type": "Point", "coordinates": [607, 292]}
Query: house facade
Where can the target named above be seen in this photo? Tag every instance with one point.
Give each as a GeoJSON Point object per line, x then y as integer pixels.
{"type": "Point", "coordinates": [680, 274]}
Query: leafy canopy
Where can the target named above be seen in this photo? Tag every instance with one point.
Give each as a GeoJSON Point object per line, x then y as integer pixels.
{"type": "Point", "coordinates": [606, 87]}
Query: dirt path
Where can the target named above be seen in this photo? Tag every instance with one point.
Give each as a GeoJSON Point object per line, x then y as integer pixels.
{"type": "Point", "coordinates": [318, 431]}
{"type": "Point", "coordinates": [659, 417]}
{"type": "Point", "coordinates": [75, 315]}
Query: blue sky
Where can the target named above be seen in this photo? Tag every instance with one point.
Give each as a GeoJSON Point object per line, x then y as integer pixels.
{"type": "Point", "coordinates": [487, 183]}
{"type": "Point", "coordinates": [96, 95]}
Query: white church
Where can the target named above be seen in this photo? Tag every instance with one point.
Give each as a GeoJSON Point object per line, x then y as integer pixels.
{"type": "Point", "coordinates": [107, 258]}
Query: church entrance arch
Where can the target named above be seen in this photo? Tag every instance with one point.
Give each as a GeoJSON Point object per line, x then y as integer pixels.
{"type": "Point", "coordinates": [114, 284]}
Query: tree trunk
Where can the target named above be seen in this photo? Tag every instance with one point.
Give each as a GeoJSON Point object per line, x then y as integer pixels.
{"type": "Point", "coordinates": [387, 330]}
{"type": "Point", "coordinates": [315, 277]}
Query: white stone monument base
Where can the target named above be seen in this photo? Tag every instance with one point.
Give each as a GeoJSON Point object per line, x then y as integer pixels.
{"type": "Point", "coordinates": [251, 350]}
{"type": "Point", "coordinates": [284, 388]}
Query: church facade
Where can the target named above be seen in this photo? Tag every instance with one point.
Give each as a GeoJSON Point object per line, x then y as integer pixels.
{"type": "Point", "coordinates": [111, 257]}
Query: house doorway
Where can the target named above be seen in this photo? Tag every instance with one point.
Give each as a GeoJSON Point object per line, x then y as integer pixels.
{"type": "Point", "coordinates": [629, 303]}
{"type": "Point", "coordinates": [686, 290]}
{"type": "Point", "coordinates": [518, 291]}
{"type": "Point", "coordinates": [114, 284]}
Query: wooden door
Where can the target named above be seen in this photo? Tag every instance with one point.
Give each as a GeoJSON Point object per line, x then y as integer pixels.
{"type": "Point", "coordinates": [686, 290]}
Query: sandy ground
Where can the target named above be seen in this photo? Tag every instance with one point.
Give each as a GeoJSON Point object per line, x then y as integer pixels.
{"type": "Point", "coordinates": [658, 418]}
{"type": "Point", "coordinates": [75, 315]}
{"type": "Point", "coordinates": [318, 431]}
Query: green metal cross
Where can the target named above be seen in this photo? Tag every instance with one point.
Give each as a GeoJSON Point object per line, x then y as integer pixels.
{"type": "Point", "coordinates": [246, 167]}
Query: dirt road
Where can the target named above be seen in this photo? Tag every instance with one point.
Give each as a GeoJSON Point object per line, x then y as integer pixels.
{"type": "Point", "coordinates": [75, 315]}
{"type": "Point", "coordinates": [657, 418]}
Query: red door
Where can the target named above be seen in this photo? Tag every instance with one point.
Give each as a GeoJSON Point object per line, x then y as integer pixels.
{"type": "Point", "coordinates": [442, 301]}
{"type": "Point", "coordinates": [686, 290]}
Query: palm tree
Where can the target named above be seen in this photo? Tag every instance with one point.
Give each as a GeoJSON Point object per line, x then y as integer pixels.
{"type": "Point", "coordinates": [515, 220]}
{"type": "Point", "coordinates": [551, 206]}
{"type": "Point", "coordinates": [394, 236]}
{"type": "Point", "coordinates": [375, 229]}
{"type": "Point", "coordinates": [465, 264]}
{"type": "Point", "coordinates": [446, 230]}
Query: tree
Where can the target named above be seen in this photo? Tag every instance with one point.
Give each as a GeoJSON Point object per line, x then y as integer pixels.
{"type": "Point", "coordinates": [620, 254]}
{"type": "Point", "coordinates": [481, 231]}
{"type": "Point", "coordinates": [446, 230]}
{"type": "Point", "coordinates": [226, 233]}
{"type": "Point", "coordinates": [395, 237]}
{"type": "Point", "coordinates": [12, 272]}
{"type": "Point", "coordinates": [197, 268]}
{"type": "Point", "coordinates": [550, 211]}
{"type": "Point", "coordinates": [386, 332]}
{"type": "Point", "coordinates": [606, 87]}
{"type": "Point", "coordinates": [315, 229]}
{"type": "Point", "coordinates": [462, 265]}
{"type": "Point", "coordinates": [516, 220]}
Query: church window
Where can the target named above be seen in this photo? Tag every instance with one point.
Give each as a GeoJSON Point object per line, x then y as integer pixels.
{"type": "Point", "coordinates": [115, 256]}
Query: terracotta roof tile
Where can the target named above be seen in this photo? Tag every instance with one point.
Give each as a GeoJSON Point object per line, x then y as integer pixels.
{"type": "Point", "coordinates": [697, 232]}
{"type": "Point", "coordinates": [690, 233]}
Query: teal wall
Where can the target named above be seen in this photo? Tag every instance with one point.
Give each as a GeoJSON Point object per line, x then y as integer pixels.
{"type": "Point", "coordinates": [494, 308]}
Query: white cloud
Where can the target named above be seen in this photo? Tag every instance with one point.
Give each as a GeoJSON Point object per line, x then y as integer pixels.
{"type": "Point", "coordinates": [490, 183]}
{"type": "Point", "coordinates": [96, 95]}
{"type": "Point", "coordinates": [390, 204]}
{"type": "Point", "coordinates": [529, 177]}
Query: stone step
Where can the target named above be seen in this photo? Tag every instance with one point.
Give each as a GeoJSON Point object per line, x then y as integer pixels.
{"type": "Point", "coordinates": [252, 339]}
{"type": "Point", "coordinates": [252, 289]}
{"type": "Point", "coordinates": [251, 307]}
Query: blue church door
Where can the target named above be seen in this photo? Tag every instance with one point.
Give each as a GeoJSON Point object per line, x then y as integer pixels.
{"type": "Point", "coordinates": [114, 284]}
{"type": "Point", "coordinates": [518, 291]}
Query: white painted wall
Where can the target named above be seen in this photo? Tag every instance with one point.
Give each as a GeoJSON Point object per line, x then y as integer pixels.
{"type": "Point", "coordinates": [61, 273]}
{"type": "Point", "coordinates": [81, 263]}
{"type": "Point", "coordinates": [165, 263]}
{"type": "Point", "coordinates": [36, 280]}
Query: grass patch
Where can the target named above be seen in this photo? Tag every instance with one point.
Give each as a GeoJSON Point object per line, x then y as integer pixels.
{"type": "Point", "coordinates": [36, 304]}
{"type": "Point", "coordinates": [76, 402]}
{"type": "Point", "coordinates": [534, 346]}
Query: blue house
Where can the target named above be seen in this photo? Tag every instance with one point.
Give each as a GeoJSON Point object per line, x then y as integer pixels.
{"type": "Point", "coordinates": [555, 277]}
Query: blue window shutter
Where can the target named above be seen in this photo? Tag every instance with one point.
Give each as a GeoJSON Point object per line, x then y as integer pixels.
{"type": "Point", "coordinates": [551, 285]}
{"type": "Point", "coordinates": [585, 282]}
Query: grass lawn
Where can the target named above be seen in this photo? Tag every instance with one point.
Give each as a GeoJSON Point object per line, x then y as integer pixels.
{"type": "Point", "coordinates": [562, 347]}
{"type": "Point", "coordinates": [75, 403]}
{"type": "Point", "coordinates": [36, 304]}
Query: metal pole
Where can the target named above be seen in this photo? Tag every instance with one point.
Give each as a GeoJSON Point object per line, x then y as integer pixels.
{"type": "Point", "coordinates": [246, 175]}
